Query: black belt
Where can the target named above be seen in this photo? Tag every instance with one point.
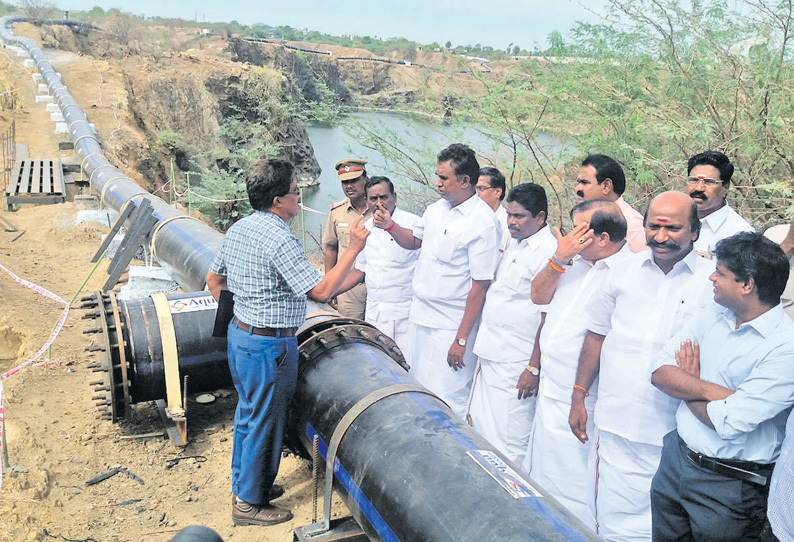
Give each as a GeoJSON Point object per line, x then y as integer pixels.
{"type": "Point", "coordinates": [264, 331]}
{"type": "Point", "coordinates": [755, 473]}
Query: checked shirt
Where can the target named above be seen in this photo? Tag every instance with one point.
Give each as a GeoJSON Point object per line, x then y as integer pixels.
{"type": "Point", "coordinates": [267, 271]}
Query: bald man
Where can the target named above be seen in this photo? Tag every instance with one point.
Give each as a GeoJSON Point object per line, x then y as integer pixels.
{"type": "Point", "coordinates": [642, 303]}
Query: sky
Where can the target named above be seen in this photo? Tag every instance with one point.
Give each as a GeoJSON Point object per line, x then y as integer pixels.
{"type": "Point", "coordinates": [497, 23]}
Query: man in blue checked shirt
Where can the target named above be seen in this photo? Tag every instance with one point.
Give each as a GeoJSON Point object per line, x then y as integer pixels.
{"type": "Point", "coordinates": [264, 266]}
{"type": "Point", "coordinates": [732, 368]}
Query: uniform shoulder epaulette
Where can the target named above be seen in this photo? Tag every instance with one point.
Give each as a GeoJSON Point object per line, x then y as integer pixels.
{"type": "Point", "coordinates": [338, 204]}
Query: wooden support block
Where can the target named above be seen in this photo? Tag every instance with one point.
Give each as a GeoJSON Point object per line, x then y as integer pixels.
{"type": "Point", "coordinates": [35, 177]}
{"type": "Point", "coordinates": [24, 177]}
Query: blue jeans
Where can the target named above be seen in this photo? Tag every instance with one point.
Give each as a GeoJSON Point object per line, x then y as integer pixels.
{"type": "Point", "coordinates": [264, 371]}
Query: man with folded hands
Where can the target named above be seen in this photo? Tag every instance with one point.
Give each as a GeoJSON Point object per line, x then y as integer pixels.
{"type": "Point", "coordinates": [732, 369]}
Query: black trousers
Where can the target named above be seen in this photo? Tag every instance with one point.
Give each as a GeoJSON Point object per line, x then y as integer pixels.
{"type": "Point", "coordinates": [691, 503]}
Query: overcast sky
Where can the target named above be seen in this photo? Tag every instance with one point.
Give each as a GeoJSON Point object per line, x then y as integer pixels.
{"type": "Point", "coordinates": [463, 22]}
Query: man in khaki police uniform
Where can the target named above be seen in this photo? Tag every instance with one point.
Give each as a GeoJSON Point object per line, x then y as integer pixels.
{"type": "Point", "coordinates": [336, 236]}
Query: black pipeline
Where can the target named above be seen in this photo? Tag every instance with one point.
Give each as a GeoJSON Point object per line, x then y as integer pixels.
{"type": "Point", "coordinates": [406, 468]}
{"type": "Point", "coordinates": [183, 245]}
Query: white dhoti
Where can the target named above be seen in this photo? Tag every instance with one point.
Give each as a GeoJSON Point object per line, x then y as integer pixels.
{"type": "Point", "coordinates": [496, 412]}
{"type": "Point", "coordinates": [395, 326]}
{"type": "Point", "coordinates": [558, 461]}
{"type": "Point", "coordinates": [624, 471]}
{"type": "Point", "coordinates": [429, 365]}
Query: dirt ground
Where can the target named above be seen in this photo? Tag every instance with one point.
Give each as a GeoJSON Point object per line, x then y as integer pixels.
{"type": "Point", "coordinates": [54, 439]}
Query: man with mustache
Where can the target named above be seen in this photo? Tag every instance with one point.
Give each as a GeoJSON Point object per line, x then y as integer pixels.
{"type": "Point", "coordinates": [458, 237]}
{"type": "Point", "coordinates": [510, 320]}
{"type": "Point", "coordinates": [265, 268]}
{"type": "Point", "coordinates": [386, 267]}
{"type": "Point", "coordinates": [555, 458]}
{"type": "Point", "coordinates": [732, 369]}
{"type": "Point", "coordinates": [708, 181]}
{"type": "Point", "coordinates": [492, 189]}
{"type": "Point", "coordinates": [336, 236]}
{"type": "Point", "coordinates": [601, 177]}
{"type": "Point", "coordinates": [640, 306]}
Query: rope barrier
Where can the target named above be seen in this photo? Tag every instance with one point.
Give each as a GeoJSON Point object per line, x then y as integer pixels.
{"type": "Point", "coordinates": [25, 364]}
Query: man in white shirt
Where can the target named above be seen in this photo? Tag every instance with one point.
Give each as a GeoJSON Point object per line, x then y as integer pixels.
{"type": "Point", "coordinates": [732, 369]}
{"type": "Point", "coordinates": [459, 241]}
{"type": "Point", "coordinates": [386, 268]}
{"type": "Point", "coordinates": [508, 326]}
{"type": "Point", "coordinates": [708, 181]}
{"type": "Point", "coordinates": [556, 459]}
{"type": "Point", "coordinates": [640, 306]}
{"type": "Point", "coordinates": [601, 177]}
{"type": "Point", "coordinates": [781, 491]}
{"type": "Point", "coordinates": [491, 188]}
{"type": "Point", "coordinates": [783, 234]}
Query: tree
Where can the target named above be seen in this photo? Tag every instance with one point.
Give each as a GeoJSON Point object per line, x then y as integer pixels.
{"type": "Point", "coordinates": [516, 50]}
{"type": "Point", "coordinates": [448, 45]}
{"type": "Point", "coordinates": [38, 9]}
{"type": "Point", "coordinates": [651, 84]}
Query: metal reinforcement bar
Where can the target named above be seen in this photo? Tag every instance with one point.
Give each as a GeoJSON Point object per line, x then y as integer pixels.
{"type": "Point", "coordinates": [184, 247]}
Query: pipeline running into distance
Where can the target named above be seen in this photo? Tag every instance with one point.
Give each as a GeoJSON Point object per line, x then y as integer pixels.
{"type": "Point", "coordinates": [184, 246]}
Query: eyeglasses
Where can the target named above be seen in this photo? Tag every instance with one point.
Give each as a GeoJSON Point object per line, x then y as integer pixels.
{"type": "Point", "coordinates": [297, 192]}
{"type": "Point", "coordinates": [483, 188]}
{"type": "Point", "coordinates": [707, 181]}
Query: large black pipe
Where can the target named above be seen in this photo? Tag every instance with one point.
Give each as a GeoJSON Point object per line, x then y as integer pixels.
{"type": "Point", "coordinates": [406, 467]}
{"type": "Point", "coordinates": [184, 246]}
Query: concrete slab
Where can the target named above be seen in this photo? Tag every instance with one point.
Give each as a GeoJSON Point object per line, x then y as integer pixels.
{"type": "Point", "coordinates": [56, 117]}
{"type": "Point", "coordinates": [103, 217]}
{"type": "Point", "coordinates": [29, 63]}
{"type": "Point", "coordinates": [144, 281]}
{"type": "Point", "coordinates": [45, 99]}
{"type": "Point", "coordinates": [44, 88]}
{"type": "Point", "coordinates": [61, 128]}
{"type": "Point", "coordinates": [37, 78]}
{"type": "Point", "coordinates": [90, 202]}
{"type": "Point", "coordinates": [24, 53]}
{"type": "Point", "coordinates": [53, 108]}
{"type": "Point", "coordinates": [71, 164]}
{"type": "Point", "coordinates": [140, 254]}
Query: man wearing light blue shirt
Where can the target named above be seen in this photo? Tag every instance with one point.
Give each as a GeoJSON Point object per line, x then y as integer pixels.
{"type": "Point", "coordinates": [732, 368]}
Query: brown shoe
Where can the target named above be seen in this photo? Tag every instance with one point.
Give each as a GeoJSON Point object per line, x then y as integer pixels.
{"type": "Point", "coordinates": [275, 492]}
{"type": "Point", "coordinates": [244, 513]}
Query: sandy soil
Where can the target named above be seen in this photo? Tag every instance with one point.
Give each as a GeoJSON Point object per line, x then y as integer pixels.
{"type": "Point", "coordinates": [53, 435]}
